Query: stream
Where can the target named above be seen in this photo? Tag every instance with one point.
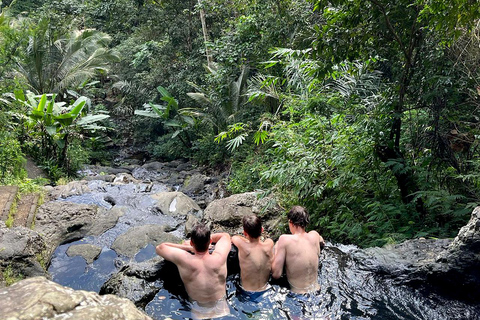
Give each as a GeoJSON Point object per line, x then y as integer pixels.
{"type": "Point", "coordinates": [348, 291]}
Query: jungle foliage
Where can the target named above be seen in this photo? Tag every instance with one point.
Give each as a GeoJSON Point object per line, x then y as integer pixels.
{"type": "Point", "coordinates": [365, 112]}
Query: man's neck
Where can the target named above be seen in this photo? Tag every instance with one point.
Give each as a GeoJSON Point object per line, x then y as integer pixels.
{"type": "Point", "coordinates": [298, 230]}
{"type": "Point", "coordinates": [253, 240]}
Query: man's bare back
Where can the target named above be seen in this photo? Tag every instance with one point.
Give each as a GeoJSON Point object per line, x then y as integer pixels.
{"type": "Point", "coordinates": [203, 273]}
{"type": "Point", "coordinates": [255, 257]}
{"type": "Point", "coordinates": [299, 253]}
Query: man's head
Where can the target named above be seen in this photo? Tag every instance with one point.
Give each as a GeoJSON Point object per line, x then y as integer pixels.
{"type": "Point", "coordinates": [200, 237]}
{"type": "Point", "coordinates": [252, 225]}
{"type": "Point", "coordinates": [298, 216]}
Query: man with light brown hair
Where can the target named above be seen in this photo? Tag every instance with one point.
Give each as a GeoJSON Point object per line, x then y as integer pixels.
{"type": "Point", "coordinates": [299, 253]}
{"type": "Point", "coordinates": [255, 256]}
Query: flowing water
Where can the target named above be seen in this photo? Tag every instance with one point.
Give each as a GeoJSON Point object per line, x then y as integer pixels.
{"type": "Point", "coordinates": [348, 291]}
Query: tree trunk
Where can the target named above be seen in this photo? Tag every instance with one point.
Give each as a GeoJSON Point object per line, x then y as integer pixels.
{"type": "Point", "coordinates": [205, 36]}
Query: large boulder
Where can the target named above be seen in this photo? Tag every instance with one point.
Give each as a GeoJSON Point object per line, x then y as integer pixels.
{"type": "Point", "coordinates": [38, 298]}
{"type": "Point", "coordinates": [194, 184]}
{"type": "Point", "coordinates": [227, 213]}
{"type": "Point", "coordinates": [60, 221]}
{"type": "Point", "coordinates": [136, 238]}
{"type": "Point", "coordinates": [73, 188]}
{"type": "Point", "coordinates": [175, 203]}
{"type": "Point", "coordinates": [137, 281]}
{"type": "Point", "coordinates": [451, 267]}
{"type": "Point", "coordinates": [22, 251]}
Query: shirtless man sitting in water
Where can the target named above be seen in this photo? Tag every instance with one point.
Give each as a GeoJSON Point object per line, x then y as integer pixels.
{"type": "Point", "coordinates": [255, 256]}
{"type": "Point", "coordinates": [299, 252]}
{"type": "Point", "coordinates": [203, 274]}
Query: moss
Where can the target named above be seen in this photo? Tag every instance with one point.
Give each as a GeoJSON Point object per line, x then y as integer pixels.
{"type": "Point", "coordinates": [9, 276]}
{"type": "Point", "coordinates": [11, 214]}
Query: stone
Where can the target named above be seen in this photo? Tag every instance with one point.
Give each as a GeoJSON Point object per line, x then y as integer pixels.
{"type": "Point", "coordinates": [74, 188]}
{"type": "Point", "coordinates": [175, 203]}
{"type": "Point", "coordinates": [106, 178]}
{"type": "Point", "coordinates": [88, 251]}
{"type": "Point", "coordinates": [137, 238]}
{"type": "Point", "coordinates": [154, 166]}
{"type": "Point", "coordinates": [190, 223]}
{"type": "Point", "coordinates": [450, 267]}
{"type": "Point", "coordinates": [228, 212]}
{"type": "Point", "coordinates": [136, 281]}
{"type": "Point", "coordinates": [194, 184]}
{"type": "Point", "coordinates": [39, 298]}
{"type": "Point", "coordinates": [60, 221]}
{"type": "Point", "coordinates": [124, 178]}
{"type": "Point", "coordinates": [23, 250]}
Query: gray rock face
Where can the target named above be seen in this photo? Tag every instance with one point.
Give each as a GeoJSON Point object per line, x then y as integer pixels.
{"type": "Point", "coordinates": [38, 298]}
{"type": "Point", "coordinates": [136, 281]}
{"type": "Point", "coordinates": [59, 221]}
{"type": "Point", "coordinates": [195, 184]}
{"type": "Point", "coordinates": [451, 267]}
{"type": "Point", "coordinates": [175, 203]}
{"type": "Point", "coordinates": [137, 238]}
{"type": "Point", "coordinates": [73, 188]}
{"type": "Point", "coordinates": [227, 213]}
{"type": "Point", "coordinates": [88, 251]}
{"type": "Point", "coordinates": [21, 249]}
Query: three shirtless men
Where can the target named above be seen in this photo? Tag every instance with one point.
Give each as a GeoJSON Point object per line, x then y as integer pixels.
{"type": "Point", "coordinates": [204, 274]}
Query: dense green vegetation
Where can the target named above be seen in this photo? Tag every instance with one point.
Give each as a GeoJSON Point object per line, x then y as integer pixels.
{"type": "Point", "coordinates": [366, 112]}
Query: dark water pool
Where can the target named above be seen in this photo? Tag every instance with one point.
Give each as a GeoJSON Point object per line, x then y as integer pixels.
{"type": "Point", "coordinates": [348, 291]}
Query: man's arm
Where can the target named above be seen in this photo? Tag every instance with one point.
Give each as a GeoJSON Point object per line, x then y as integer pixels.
{"type": "Point", "coordinates": [238, 241]}
{"type": "Point", "coordinates": [174, 252]}
{"type": "Point", "coordinates": [222, 242]}
{"type": "Point", "coordinates": [279, 258]}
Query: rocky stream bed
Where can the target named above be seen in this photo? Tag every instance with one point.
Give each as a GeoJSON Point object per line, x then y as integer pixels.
{"type": "Point", "coordinates": [95, 239]}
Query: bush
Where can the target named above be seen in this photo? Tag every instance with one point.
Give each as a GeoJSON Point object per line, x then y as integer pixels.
{"type": "Point", "coordinates": [167, 149]}
{"type": "Point", "coordinates": [12, 160]}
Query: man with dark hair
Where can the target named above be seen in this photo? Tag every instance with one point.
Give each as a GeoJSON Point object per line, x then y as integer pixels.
{"type": "Point", "coordinates": [255, 256]}
{"type": "Point", "coordinates": [204, 274]}
{"type": "Point", "coordinates": [299, 252]}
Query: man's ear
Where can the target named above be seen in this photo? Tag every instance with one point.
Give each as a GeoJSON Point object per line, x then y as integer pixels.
{"type": "Point", "coordinates": [262, 230]}
{"type": "Point", "coordinates": [191, 243]}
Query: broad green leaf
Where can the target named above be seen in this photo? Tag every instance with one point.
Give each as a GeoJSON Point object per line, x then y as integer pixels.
{"type": "Point", "coordinates": [19, 95]}
{"type": "Point", "coordinates": [52, 130]}
{"type": "Point", "coordinates": [89, 119]}
{"type": "Point", "coordinates": [146, 114]}
{"type": "Point", "coordinates": [41, 103]}
{"type": "Point", "coordinates": [163, 92]}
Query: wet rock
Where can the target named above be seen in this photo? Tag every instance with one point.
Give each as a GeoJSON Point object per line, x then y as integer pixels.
{"type": "Point", "coordinates": [228, 212]}
{"type": "Point", "coordinates": [22, 250]}
{"type": "Point", "coordinates": [147, 175]}
{"type": "Point", "coordinates": [106, 178]}
{"type": "Point", "coordinates": [124, 178]}
{"type": "Point", "coordinates": [194, 184]}
{"type": "Point", "coordinates": [38, 298]}
{"type": "Point", "coordinates": [136, 281]}
{"type": "Point", "coordinates": [73, 188]}
{"type": "Point", "coordinates": [154, 166]}
{"type": "Point", "coordinates": [190, 223]}
{"type": "Point", "coordinates": [88, 251]}
{"type": "Point", "coordinates": [60, 221]}
{"type": "Point", "coordinates": [175, 203]}
{"type": "Point", "coordinates": [137, 238]}
{"type": "Point", "coordinates": [450, 267]}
